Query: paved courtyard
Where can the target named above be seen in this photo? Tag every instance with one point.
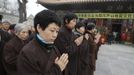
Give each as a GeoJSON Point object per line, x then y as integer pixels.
{"type": "Point", "coordinates": [115, 59]}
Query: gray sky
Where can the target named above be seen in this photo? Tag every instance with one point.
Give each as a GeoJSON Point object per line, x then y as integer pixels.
{"type": "Point", "coordinates": [32, 7]}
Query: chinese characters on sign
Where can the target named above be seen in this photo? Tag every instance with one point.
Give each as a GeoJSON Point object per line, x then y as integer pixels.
{"type": "Point", "coordinates": [106, 15]}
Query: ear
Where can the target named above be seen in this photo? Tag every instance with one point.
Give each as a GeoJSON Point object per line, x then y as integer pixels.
{"type": "Point", "coordinates": [38, 28]}
{"type": "Point", "coordinates": [66, 21]}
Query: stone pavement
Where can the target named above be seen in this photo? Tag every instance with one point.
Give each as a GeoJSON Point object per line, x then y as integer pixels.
{"type": "Point", "coordinates": [115, 59]}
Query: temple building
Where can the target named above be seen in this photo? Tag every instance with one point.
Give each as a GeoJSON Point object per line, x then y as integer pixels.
{"type": "Point", "coordinates": [109, 15]}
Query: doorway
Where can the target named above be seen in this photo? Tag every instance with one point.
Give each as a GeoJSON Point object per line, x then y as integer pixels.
{"type": "Point", "coordinates": [116, 28]}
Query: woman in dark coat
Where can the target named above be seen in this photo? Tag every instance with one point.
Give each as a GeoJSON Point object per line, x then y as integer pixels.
{"type": "Point", "coordinates": [90, 28]}
{"type": "Point", "coordinates": [13, 47]}
{"type": "Point", "coordinates": [40, 56]}
{"type": "Point", "coordinates": [66, 42]}
{"type": "Point", "coordinates": [4, 37]}
{"type": "Point", "coordinates": [84, 56]}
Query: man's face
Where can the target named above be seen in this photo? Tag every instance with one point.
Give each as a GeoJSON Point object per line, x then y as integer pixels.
{"type": "Point", "coordinates": [50, 33]}
{"type": "Point", "coordinates": [6, 26]}
{"type": "Point", "coordinates": [72, 23]}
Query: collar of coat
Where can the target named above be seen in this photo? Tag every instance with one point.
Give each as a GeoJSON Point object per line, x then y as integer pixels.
{"type": "Point", "coordinates": [41, 43]}
{"type": "Point", "coordinates": [77, 33]}
{"type": "Point", "coordinates": [67, 29]}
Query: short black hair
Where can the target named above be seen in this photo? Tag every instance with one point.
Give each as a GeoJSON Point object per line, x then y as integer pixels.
{"type": "Point", "coordinates": [44, 18]}
{"type": "Point", "coordinates": [90, 26]}
{"type": "Point", "coordinates": [79, 24]}
{"type": "Point", "coordinates": [68, 17]}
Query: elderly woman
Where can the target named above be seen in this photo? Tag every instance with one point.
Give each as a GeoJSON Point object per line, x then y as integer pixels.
{"type": "Point", "coordinates": [13, 47]}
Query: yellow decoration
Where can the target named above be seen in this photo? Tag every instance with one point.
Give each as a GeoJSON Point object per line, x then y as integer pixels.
{"type": "Point", "coordinates": [106, 15]}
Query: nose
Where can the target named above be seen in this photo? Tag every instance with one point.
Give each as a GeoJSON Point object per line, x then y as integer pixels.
{"type": "Point", "coordinates": [26, 34]}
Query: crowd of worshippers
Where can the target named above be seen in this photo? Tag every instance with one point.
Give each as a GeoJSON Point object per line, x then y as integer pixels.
{"type": "Point", "coordinates": [48, 47]}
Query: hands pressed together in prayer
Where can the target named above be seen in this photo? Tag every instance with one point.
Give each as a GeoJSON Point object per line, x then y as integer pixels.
{"type": "Point", "coordinates": [62, 61]}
